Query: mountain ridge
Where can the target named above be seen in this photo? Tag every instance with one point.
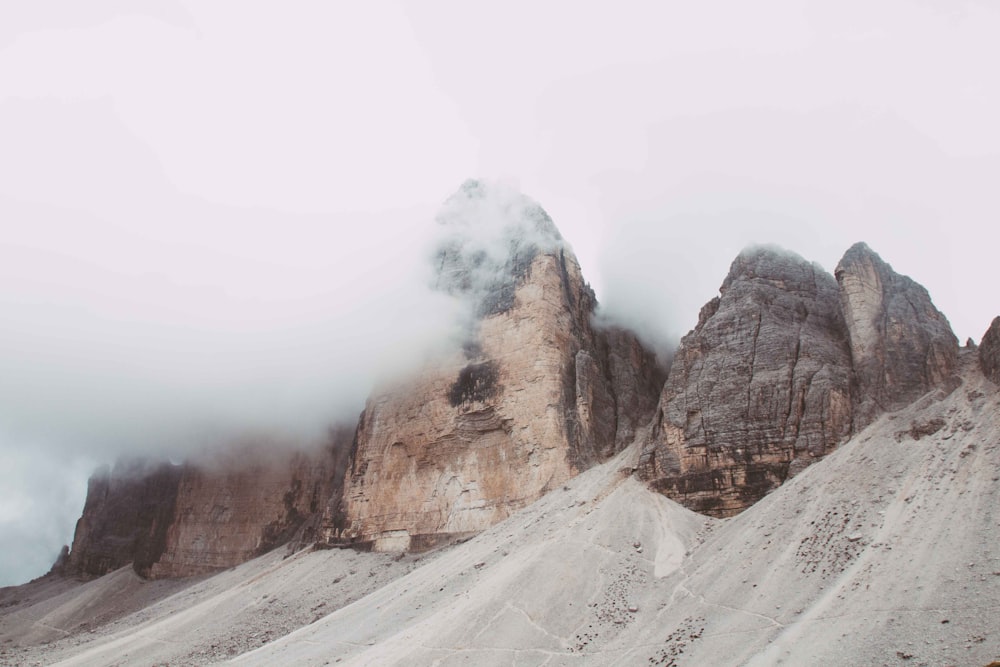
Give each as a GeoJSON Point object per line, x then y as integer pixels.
{"type": "Point", "coordinates": [553, 464]}
{"type": "Point", "coordinates": [781, 368]}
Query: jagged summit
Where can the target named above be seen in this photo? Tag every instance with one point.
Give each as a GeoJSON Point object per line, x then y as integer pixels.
{"type": "Point", "coordinates": [772, 264]}
{"type": "Point", "coordinates": [493, 206]}
{"type": "Point", "coordinates": [537, 395]}
{"type": "Point", "coordinates": [901, 345]}
{"type": "Point", "coordinates": [490, 235]}
{"type": "Point", "coordinates": [858, 251]}
{"type": "Point", "coordinates": [785, 364]}
{"type": "Point", "coordinates": [760, 388]}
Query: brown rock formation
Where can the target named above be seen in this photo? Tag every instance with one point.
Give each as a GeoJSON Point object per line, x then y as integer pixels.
{"type": "Point", "coordinates": [760, 387]}
{"type": "Point", "coordinates": [536, 395]}
{"type": "Point", "coordinates": [175, 521]}
{"type": "Point", "coordinates": [125, 517]}
{"type": "Point", "coordinates": [989, 352]}
{"type": "Point", "coordinates": [901, 345]}
{"type": "Point", "coordinates": [241, 506]}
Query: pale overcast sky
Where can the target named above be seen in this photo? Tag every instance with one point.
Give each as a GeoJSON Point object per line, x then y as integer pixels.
{"type": "Point", "coordinates": [216, 214]}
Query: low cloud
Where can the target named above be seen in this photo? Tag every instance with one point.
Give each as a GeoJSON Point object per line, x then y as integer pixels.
{"type": "Point", "coordinates": [488, 235]}
{"type": "Point", "coordinates": [140, 320]}
{"type": "Point", "coordinates": [39, 506]}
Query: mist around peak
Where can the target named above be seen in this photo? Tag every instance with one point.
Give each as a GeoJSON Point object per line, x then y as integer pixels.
{"type": "Point", "coordinates": [211, 329]}
{"type": "Point", "coordinates": [488, 235]}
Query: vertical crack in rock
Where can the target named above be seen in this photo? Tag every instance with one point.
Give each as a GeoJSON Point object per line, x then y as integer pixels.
{"type": "Point", "coordinates": [753, 359]}
{"type": "Point", "coordinates": [989, 352]}
{"type": "Point", "coordinates": [791, 383]}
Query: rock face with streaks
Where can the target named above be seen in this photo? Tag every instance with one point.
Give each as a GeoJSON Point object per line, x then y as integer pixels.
{"type": "Point", "coordinates": [179, 520]}
{"type": "Point", "coordinates": [240, 506]}
{"type": "Point", "coordinates": [901, 345]}
{"type": "Point", "coordinates": [783, 365]}
{"type": "Point", "coordinates": [760, 387]}
{"type": "Point", "coordinates": [127, 513]}
{"type": "Point", "coordinates": [989, 352]}
{"type": "Point", "coordinates": [535, 395]}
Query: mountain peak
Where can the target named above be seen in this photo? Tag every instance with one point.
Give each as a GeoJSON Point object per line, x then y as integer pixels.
{"type": "Point", "coordinates": [486, 208]}
{"type": "Point", "coordinates": [772, 264]}
{"type": "Point", "coordinates": [758, 389]}
{"type": "Point", "coordinates": [490, 234]}
{"type": "Point", "coordinates": [901, 345]}
{"type": "Point", "coordinates": [859, 250]}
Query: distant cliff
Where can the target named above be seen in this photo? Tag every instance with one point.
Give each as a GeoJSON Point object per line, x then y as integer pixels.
{"type": "Point", "coordinates": [203, 516]}
{"type": "Point", "coordinates": [127, 514]}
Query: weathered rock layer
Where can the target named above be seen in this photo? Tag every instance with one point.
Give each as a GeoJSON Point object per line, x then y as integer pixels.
{"type": "Point", "coordinates": [901, 345]}
{"type": "Point", "coordinates": [128, 510]}
{"type": "Point", "coordinates": [179, 520]}
{"type": "Point", "coordinates": [242, 506]}
{"type": "Point", "coordinates": [785, 364]}
{"type": "Point", "coordinates": [758, 389]}
{"type": "Point", "coordinates": [536, 395]}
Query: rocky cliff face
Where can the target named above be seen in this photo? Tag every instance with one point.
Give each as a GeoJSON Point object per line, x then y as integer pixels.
{"type": "Point", "coordinates": [901, 345]}
{"type": "Point", "coordinates": [989, 352]}
{"type": "Point", "coordinates": [535, 395]}
{"type": "Point", "coordinates": [128, 510]}
{"type": "Point", "coordinates": [241, 506]}
{"type": "Point", "coordinates": [785, 364]}
{"type": "Point", "coordinates": [175, 521]}
{"type": "Point", "coordinates": [758, 389]}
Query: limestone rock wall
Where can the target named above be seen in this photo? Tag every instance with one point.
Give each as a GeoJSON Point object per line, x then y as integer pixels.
{"type": "Point", "coordinates": [989, 352]}
{"type": "Point", "coordinates": [758, 389]}
{"type": "Point", "coordinates": [636, 381]}
{"type": "Point", "coordinates": [785, 364]}
{"type": "Point", "coordinates": [240, 507]}
{"type": "Point", "coordinates": [901, 345]}
{"type": "Point", "coordinates": [535, 395]}
{"type": "Point", "coordinates": [125, 518]}
{"type": "Point", "coordinates": [176, 521]}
